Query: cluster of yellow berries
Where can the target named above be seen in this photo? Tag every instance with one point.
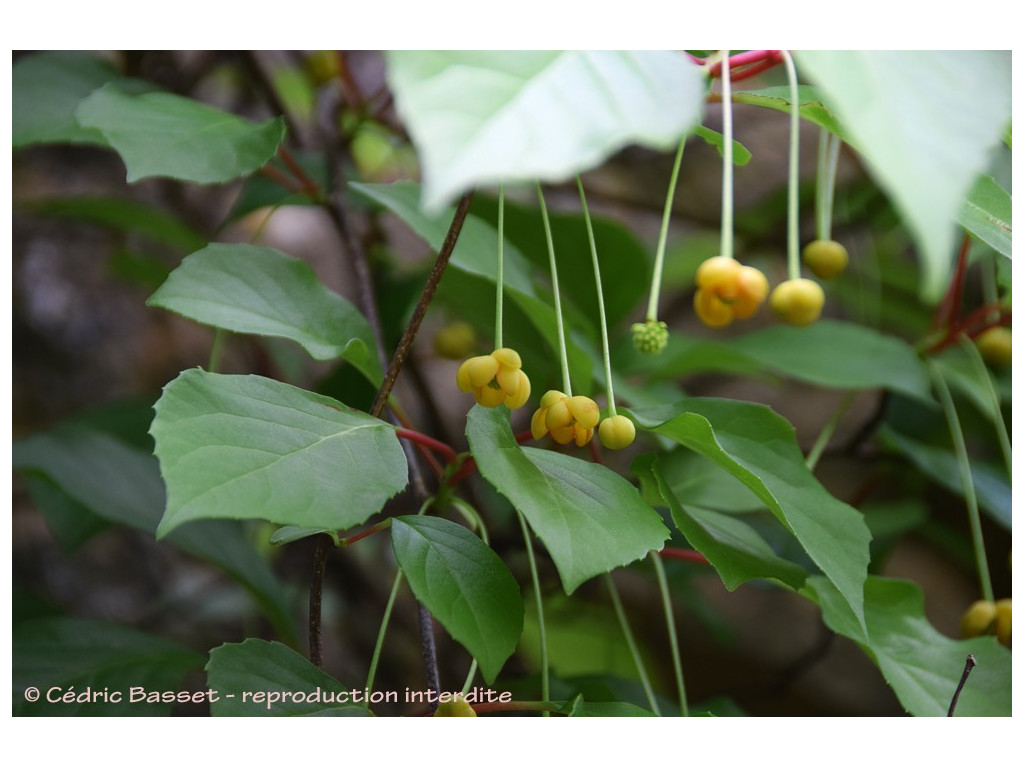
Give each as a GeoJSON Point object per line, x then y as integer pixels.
{"type": "Point", "coordinates": [498, 379]}
{"type": "Point", "coordinates": [495, 379]}
{"type": "Point", "coordinates": [727, 291]}
{"type": "Point", "coordinates": [985, 617]}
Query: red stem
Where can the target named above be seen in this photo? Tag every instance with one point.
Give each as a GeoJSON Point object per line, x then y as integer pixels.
{"type": "Point", "coordinates": [755, 69]}
{"type": "Point", "coordinates": [368, 532]}
{"type": "Point", "coordinates": [951, 302]}
{"type": "Point", "coordinates": [689, 555]}
{"type": "Point", "coordinates": [309, 186]}
{"type": "Point", "coordinates": [279, 177]}
{"type": "Point", "coordinates": [418, 437]}
{"type": "Point", "coordinates": [741, 59]}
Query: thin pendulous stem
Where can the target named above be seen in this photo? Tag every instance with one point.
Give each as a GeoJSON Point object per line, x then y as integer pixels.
{"type": "Point", "coordinates": [793, 220]}
{"type": "Point", "coordinates": [666, 217]}
{"type": "Point", "coordinates": [566, 381]}
{"type": "Point", "coordinates": [545, 685]}
{"type": "Point", "coordinates": [634, 649]}
{"type": "Point", "coordinates": [673, 639]}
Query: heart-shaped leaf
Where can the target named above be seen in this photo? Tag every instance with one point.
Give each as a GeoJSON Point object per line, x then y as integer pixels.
{"type": "Point", "coordinates": [480, 117]}
{"type": "Point", "coordinates": [257, 678]}
{"type": "Point", "coordinates": [464, 584]}
{"type": "Point", "coordinates": [249, 447]}
{"type": "Point", "coordinates": [590, 519]}
{"type": "Point", "coordinates": [162, 134]}
{"type": "Point", "coordinates": [251, 289]}
{"type": "Point", "coordinates": [759, 447]}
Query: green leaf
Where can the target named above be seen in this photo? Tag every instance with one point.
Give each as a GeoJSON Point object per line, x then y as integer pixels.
{"type": "Point", "coordinates": [121, 484]}
{"type": "Point", "coordinates": [476, 254]}
{"type": "Point", "coordinates": [813, 107]}
{"type": "Point", "coordinates": [161, 134]}
{"type": "Point", "coordinates": [256, 678]}
{"type": "Point", "coordinates": [590, 519]}
{"type": "Point", "coordinates": [828, 353]}
{"type": "Point", "coordinates": [991, 485]}
{"type": "Point", "coordinates": [45, 91]}
{"type": "Point", "coordinates": [464, 584]}
{"type": "Point", "coordinates": [580, 708]}
{"type": "Point", "coordinates": [290, 533]}
{"type": "Point", "coordinates": [987, 214]}
{"type": "Point", "coordinates": [124, 215]}
{"type": "Point", "coordinates": [759, 447]}
{"type": "Point", "coordinates": [252, 289]}
{"type": "Point", "coordinates": [921, 665]}
{"type": "Point", "coordinates": [480, 117]}
{"type": "Point", "coordinates": [60, 655]}
{"type": "Point", "coordinates": [735, 549]}
{"type": "Point", "coordinates": [247, 447]}
{"type": "Point", "coordinates": [924, 122]}
{"type": "Point", "coordinates": [740, 154]}
{"type": "Point", "coordinates": [625, 262]}
{"type": "Point", "coordinates": [71, 522]}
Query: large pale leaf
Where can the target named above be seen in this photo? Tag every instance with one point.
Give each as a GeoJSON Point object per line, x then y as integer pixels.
{"type": "Point", "coordinates": [921, 665]}
{"type": "Point", "coordinates": [120, 484]}
{"type": "Point", "coordinates": [735, 549]}
{"type": "Point", "coordinates": [480, 117]}
{"type": "Point", "coordinates": [58, 655]}
{"type": "Point", "coordinates": [464, 584]}
{"type": "Point", "coordinates": [252, 289]}
{"type": "Point", "coordinates": [45, 91]}
{"type": "Point", "coordinates": [987, 214]}
{"type": "Point", "coordinates": [260, 679]}
{"type": "Point", "coordinates": [590, 519]}
{"type": "Point", "coordinates": [924, 122]}
{"type": "Point", "coordinates": [759, 447]}
{"type": "Point", "coordinates": [162, 134]}
{"type": "Point", "coordinates": [476, 254]}
{"type": "Point", "coordinates": [249, 447]}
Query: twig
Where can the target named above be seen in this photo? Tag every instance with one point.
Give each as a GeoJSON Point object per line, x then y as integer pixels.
{"type": "Point", "coordinates": [405, 345]}
{"type": "Point", "coordinates": [323, 544]}
{"type": "Point", "coordinates": [970, 664]}
{"type": "Point", "coordinates": [429, 652]}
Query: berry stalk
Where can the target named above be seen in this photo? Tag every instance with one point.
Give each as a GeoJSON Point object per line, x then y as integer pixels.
{"type": "Point", "coordinates": [566, 383]}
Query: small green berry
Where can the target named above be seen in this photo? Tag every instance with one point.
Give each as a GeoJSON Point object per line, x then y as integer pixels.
{"type": "Point", "coordinates": [650, 337]}
{"type": "Point", "coordinates": [825, 258]}
{"type": "Point", "coordinates": [996, 346]}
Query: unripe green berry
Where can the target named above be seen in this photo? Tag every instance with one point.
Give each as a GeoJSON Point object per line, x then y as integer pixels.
{"type": "Point", "coordinates": [996, 346]}
{"type": "Point", "coordinates": [978, 619]}
{"type": "Point", "coordinates": [650, 337]}
{"type": "Point", "coordinates": [458, 708]}
{"type": "Point", "coordinates": [825, 258]}
{"type": "Point", "coordinates": [1004, 614]}
{"type": "Point", "coordinates": [455, 340]}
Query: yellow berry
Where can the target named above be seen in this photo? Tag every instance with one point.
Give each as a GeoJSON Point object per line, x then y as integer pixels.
{"type": "Point", "coordinates": [977, 620]}
{"type": "Point", "coordinates": [584, 411]}
{"type": "Point", "coordinates": [455, 340]}
{"type": "Point", "coordinates": [518, 398]}
{"type": "Point", "coordinates": [751, 291]}
{"type": "Point", "coordinates": [711, 310]}
{"type": "Point", "coordinates": [458, 708]}
{"type": "Point", "coordinates": [508, 357]}
{"type": "Point", "coordinates": [1003, 619]}
{"type": "Point", "coordinates": [719, 274]}
{"type": "Point", "coordinates": [995, 346]}
{"type": "Point", "coordinates": [616, 432]}
{"type": "Point", "coordinates": [825, 258]}
{"type": "Point", "coordinates": [798, 302]}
